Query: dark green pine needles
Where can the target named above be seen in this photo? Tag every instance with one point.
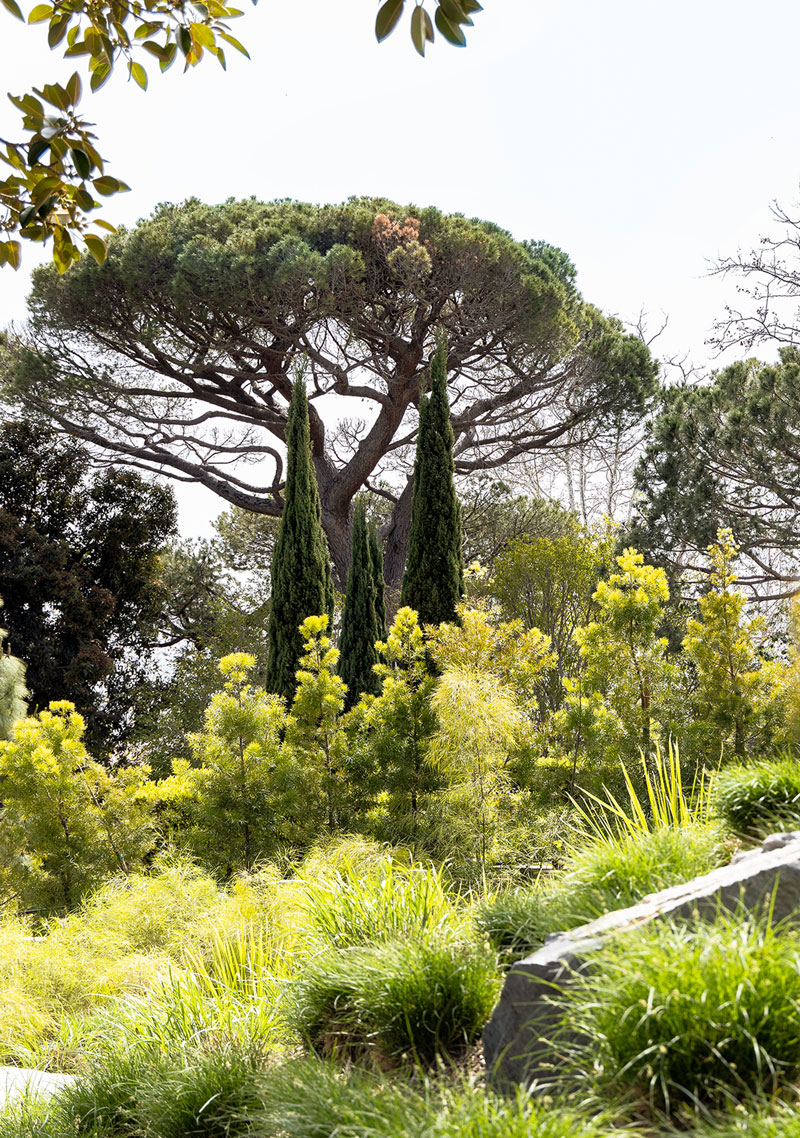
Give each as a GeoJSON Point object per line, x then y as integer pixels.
{"type": "Point", "coordinates": [301, 570]}
{"type": "Point", "coordinates": [360, 628]}
{"type": "Point", "coordinates": [433, 582]}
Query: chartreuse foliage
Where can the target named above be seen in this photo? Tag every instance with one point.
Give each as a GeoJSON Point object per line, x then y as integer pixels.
{"type": "Point", "coordinates": [301, 572]}
{"type": "Point", "coordinates": [759, 798]}
{"type": "Point", "coordinates": [313, 730]}
{"type": "Point", "coordinates": [248, 794]}
{"type": "Point", "coordinates": [723, 647]}
{"type": "Point", "coordinates": [66, 821]}
{"type": "Point", "coordinates": [433, 583]}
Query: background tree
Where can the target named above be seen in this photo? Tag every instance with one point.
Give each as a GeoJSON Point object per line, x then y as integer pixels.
{"type": "Point", "coordinates": [624, 657]}
{"type": "Point", "coordinates": [433, 583]}
{"type": "Point", "coordinates": [249, 795]}
{"type": "Point", "coordinates": [13, 693]}
{"type": "Point", "coordinates": [360, 632]}
{"type": "Point", "coordinates": [549, 583]}
{"type": "Point", "coordinates": [493, 515]}
{"type": "Point", "coordinates": [79, 557]}
{"type": "Point", "coordinates": [65, 820]}
{"type": "Point", "coordinates": [301, 572]}
{"type": "Point", "coordinates": [358, 290]}
{"type": "Point", "coordinates": [379, 599]}
{"type": "Point", "coordinates": [724, 650]}
{"type": "Point", "coordinates": [726, 454]}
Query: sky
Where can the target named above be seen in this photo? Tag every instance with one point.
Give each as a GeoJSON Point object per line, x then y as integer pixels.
{"type": "Point", "coordinates": [644, 139]}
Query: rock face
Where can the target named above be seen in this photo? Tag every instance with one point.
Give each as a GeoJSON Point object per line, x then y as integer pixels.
{"type": "Point", "coordinates": [16, 1081]}
{"type": "Point", "coordinates": [515, 1041]}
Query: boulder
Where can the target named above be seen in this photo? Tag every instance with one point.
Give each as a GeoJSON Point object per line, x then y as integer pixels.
{"type": "Point", "coordinates": [517, 1042]}
{"type": "Point", "coordinates": [18, 1081]}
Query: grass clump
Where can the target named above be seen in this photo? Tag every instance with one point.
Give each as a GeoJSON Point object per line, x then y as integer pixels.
{"type": "Point", "coordinates": [760, 797]}
{"type": "Point", "coordinates": [689, 1018]}
{"type": "Point", "coordinates": [419, 999]}
{"type": "Point", "coordinates": [610, 872]}
{"type": "Point", "coordinates": [381, 901]}
{"type": "Point", "coordinates": [311, 1098]}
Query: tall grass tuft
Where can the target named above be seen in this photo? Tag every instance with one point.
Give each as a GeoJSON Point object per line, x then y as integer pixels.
{"type": "Point", "coordinates": [607, 874]}
{"type": "Point", "coordinates": [231, 994]}
{"type": "Point", "coordinates": [760, 797]}
{"type": "Point", "coordinates": [382, 902]}
{"type": "Point", "coordinates": [417, 1000]}
{"type": "Point", "coordinates": [689, 1018]}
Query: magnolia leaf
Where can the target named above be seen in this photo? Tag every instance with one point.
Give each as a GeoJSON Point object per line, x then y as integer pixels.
{"type": "Point", "coordinates": [420, 28]}
{"type": "Point", "coordinates": [234, 43]}
{"type": "Point", "coordinates": [388, 15]}
{"type": "Point", "coordinates": [138, 74]}
{"type": "Point", "coordinates": [451, 32]}
{"type": "Point", "coordinates": [74, 89]}
{"type": "Point", "coordinates": [82, 162]}
{"type": "Point", "coordinates": [14, 8]}
{"type": "Point", "coordinates": [100, 74]}
{"type": "Point", "coordinates": [13, 253]}
{"type": "Point", "coordinates": [40, 13]}
{"type": "Point", "coordinates": [454, 12]}
{"type": "Point", "coordinates": [97, 247]}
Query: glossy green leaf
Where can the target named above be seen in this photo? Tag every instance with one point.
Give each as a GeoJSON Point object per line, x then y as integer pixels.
{"type": "Point", "coordinates": [58, 29]}
{"type": "Point", "coordinates": [40, 13]}
{"type": "Point", "coordinates": [234, 43]}
{"type": "Point", "coordinates": [451, 32]}
{"type": "Point", "coordinates": [27, 214]}
{"type": "Point", "coordinates": [138, 74]}
{"type": "Point", "coordinates": [471, 6]}
{"type": "Point", "coordinates": [421, 28]}
{"type": "Point", "coordinates": [13, 254]}
{"type": "Point", "coordinates": [388, 15]}
{"type": "Point", "coordinates": [13, 7]}
{"type": "Point", "coordinates": [97, 247]}
{"type": "Point", "coordinates": [82, 162]}
{"type": "Point", "coordinates": [74, 89]}
{"type": "Point", "coordinates": [36, 149]}
{"type": "Point", "coordinates": [454, 11]}
{"type": "Point", "coordinates": [100, 74]}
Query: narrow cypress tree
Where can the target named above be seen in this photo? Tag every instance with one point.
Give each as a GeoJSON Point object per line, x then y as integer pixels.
{"type": "Point", "coordinates": [433, 582]}
{"type": "Point", "coordinates": [301, 570]}
{"type": "Point", "coordinates": [359, 622]}
{"type": "Point", "coordinates": [376, 554]}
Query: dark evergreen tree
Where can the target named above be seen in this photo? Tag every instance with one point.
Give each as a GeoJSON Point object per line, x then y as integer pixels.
{"type": "Point", "coordinates": [376, 555]}
{"type": "Point", "coordinates": [433, 582]}
{"type": "Point", "coordinates": [359, 621]}
{"type": "Point", "coordinates": [301, 570]}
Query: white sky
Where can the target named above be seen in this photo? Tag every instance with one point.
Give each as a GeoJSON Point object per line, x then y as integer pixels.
{"type": "Point", "coordinates": [643, 138]}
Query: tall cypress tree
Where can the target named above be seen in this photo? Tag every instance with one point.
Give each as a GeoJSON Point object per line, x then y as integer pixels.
{"type": "Point", "coordinates": [376, 554]}
{"type": "Point", "coordinates": [359, 621]}
{"type": "Point", "coordinates": [301, 570]}
{"type": "Point", "coordinates": [433, 582]}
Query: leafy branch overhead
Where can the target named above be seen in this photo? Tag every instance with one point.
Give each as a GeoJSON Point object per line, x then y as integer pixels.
{"type": "Point", "coordinates": [56, 170]}
{"type": "Point", "coordinates": [450, 18]}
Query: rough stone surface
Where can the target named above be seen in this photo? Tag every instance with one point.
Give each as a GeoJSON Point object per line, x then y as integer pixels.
{"type": "Point", "coordinates": [515, 1040]}
{"type": "Point", "coordinates": [16, 1081]}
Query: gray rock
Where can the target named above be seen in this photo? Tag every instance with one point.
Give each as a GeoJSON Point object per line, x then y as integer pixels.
{"type": "Point", "coordinates": [18, 1081]}
{"type": "Point", "coordinates": [516, 1040]}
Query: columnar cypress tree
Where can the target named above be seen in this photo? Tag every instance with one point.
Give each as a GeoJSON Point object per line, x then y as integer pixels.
{"type": "Point", "coordinates": [376, 554]}
{"type": "Point", "coordinates": [433, 582]}
{"type": "Point", "coordinates": [301, 570]}
{"type": "Point", "coordinates": [359, 621]}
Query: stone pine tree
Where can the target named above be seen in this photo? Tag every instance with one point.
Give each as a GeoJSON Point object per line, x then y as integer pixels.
{"type": "Point", "coordinates": [359, 621]}
{"type": "Point", "coordinates": [301, 571]}
{"type": "Point", "coordinates": [433, 582]}
{"type": "Point", "coordinates": [376, 554]}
